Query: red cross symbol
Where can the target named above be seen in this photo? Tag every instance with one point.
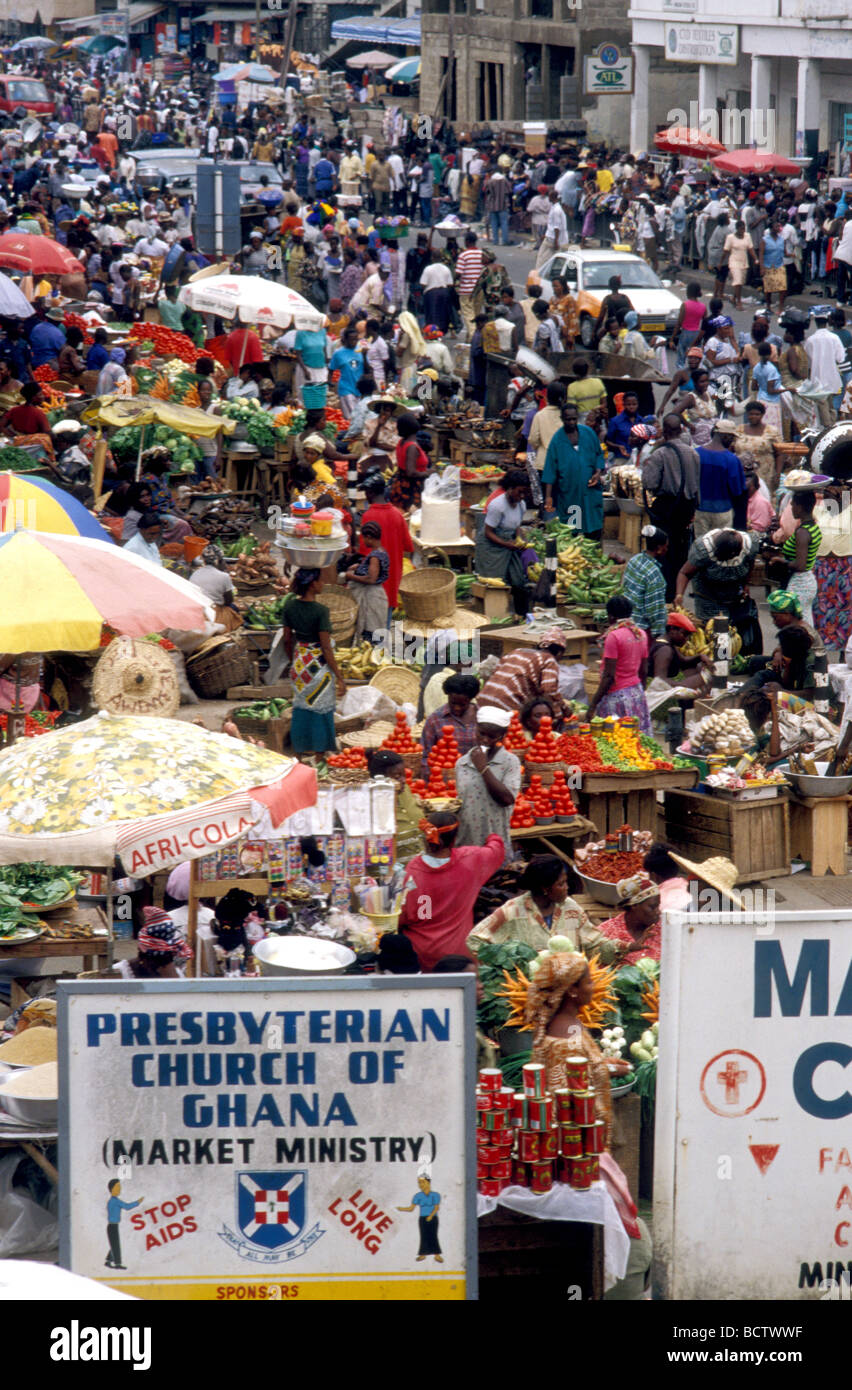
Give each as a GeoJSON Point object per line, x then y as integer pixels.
{"type": "Point", "coordinates": [271, 1208]}
{"type": "Point", "coordinates": [733, 1083]}
{"type": "Point", "coordinates": [731, 1079]}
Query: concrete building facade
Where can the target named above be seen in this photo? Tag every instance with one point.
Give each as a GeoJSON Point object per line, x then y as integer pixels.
{"type": "Point", "coordinates": [783, 65]}
{"type": "Point", "coordinates": [522, 60]}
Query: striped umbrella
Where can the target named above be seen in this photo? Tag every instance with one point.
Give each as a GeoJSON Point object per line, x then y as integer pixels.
{"type": "Point", "coordinates": [59, 590]}
{"type": "Point", "coordinates": [38, 505]}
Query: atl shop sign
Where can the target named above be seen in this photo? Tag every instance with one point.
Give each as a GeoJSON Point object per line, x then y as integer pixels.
{"type": "Point", "coordinates": [754, 1098]}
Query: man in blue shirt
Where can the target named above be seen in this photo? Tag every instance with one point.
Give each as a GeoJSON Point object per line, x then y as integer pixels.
{"type": "Point", "coordinates": [115, 1207]}
{"type": "Point", "coordinates": [722, 501]}
{"type": "Point", "coordinates": [47, 338]}
{"type": "Point", "coordinates": [618, 434]}
{"type": "Point", "coordinates": [98, 354]}
{"type": "Point", "coordinates": [324, 175]}
{"type": "Point", "coordinates": [350, 364]}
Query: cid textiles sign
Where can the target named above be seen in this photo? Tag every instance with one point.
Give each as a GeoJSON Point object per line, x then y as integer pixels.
{"type": "Point", "coordinates": [608, 71]}
{"type": "Point", "coordinates": [753, 1136]}
{"type": "Point", "coordinates": [701, 43]}
{"type": "Point", "coordinates": [270, 1139]}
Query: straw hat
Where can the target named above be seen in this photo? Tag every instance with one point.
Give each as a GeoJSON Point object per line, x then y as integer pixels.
{"type": "Point", "coordinates": [135, 677]}
{"type": "Point", "coordinates": [720, 873]}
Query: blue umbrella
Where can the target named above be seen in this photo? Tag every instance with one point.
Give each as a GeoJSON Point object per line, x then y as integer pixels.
{"type": "Point", "coordinates": [406, 71]}
{"type": "Point", "coordinates": [36, 41]}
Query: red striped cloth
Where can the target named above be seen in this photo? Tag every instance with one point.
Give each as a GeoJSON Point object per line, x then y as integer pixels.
{"type": "Point", "coordinates": [519, 676]}
{"type": "Point", "coordinates": [468, 270]}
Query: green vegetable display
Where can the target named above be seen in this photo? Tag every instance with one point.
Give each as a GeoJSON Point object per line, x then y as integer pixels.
{"type": "Point", "coordinates": [493, 960]}
{"type": "Point", "coordinates": [246, 545]}
{"type": "Point", "coordinates": [184, 452]}
{"type": "Point", "coordinates": [14, 460]}
{"type": "Point", "coordinates": [266, 615]}
{"type": "Point", "coordinates": [264, 709]}
{"type": "Point", "coordinates": [260, 431]}
{"type": "Point", "coordinates": [43, 884]}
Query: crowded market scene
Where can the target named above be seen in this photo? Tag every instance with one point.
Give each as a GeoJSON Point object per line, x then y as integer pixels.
{"type": "Point", "coordinates": [427, 563]}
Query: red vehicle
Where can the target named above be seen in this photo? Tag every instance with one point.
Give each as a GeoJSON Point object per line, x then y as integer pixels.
{"type": "Point", "coordinates": [17, 90]}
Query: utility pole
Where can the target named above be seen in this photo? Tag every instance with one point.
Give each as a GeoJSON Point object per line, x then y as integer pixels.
{"type": "Point", "coordinates": [289, 35]}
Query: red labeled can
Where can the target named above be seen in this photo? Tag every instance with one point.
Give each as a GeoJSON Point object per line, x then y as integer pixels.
{"type": "Point", "coordinates": [505, 1097]}
{"type": "Point", "coordinates": [594, 1162]}
{"type": "Point", "coordinates": [580, 1173]}
{"type": "Point", "coordinates": [490, 1187]}
{"type": "Point", "coordinates": [576, 1073]}
{"type": "Point", "coordinates": [563, 1172]}
{"type": "Point", "coordinates": [593, 1138]}
{"type": "Point", "coordinates": [534, 1079]}
{"type": "Point", "coordinates": [488, 1153]}
{"type": "Point", "coordinates": [540, 1114]}
{"type": "Point", "coordinates": [520, 1177]}
{"type": "Point", "coordinates": [541, 1177]}
{"type": "Point", "coordinates": [483, 1169]}
{"type": "Point", "coordinates": [564, 1103]}
{"type": "Point", "coordinates": [503, 1171]}
{"type": "Point", "coordinates": [503, 1140]}
{"type": "Point", "coordinates": [491, 1079]}
{"type": "Point", "coordinates": [518, 1110]}
{"type": "Point", "coordinates": [584, 1108]}
{"type": "Point", "coordinates": [494, 1119]}
{"type": "Point", "coordinates": [571, 1141]}
{"type": "Point", "coordinates": [549, 1146]}
{"type": "Point", "coordinates": [484, 1137]}
{"type": "Point", "coordinates": [529, 1146]}
{"type": "Point", "coordinates": [484, 1099]}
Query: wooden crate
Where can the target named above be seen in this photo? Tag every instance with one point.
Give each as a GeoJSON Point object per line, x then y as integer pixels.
{"type": "Point", "coordinates": [818, 832]}
{"type": "Point", "coordinates": [522, 1257]}
{"type": "Point", "coordinates": [493, 603]}
{"type": "Point", "coordinates": [754, 834]}
{"type": "Point", "coordinates": [627, 799]}
{"type": "Point", "coordinates": [629, 530]}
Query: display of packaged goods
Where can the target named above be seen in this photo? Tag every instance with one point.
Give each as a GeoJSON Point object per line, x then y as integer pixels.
{"type": "Point", "coordinates": [533, 1074]}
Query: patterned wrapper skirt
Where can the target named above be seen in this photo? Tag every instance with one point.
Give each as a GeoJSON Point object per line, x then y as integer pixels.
{"type": "Point", "coordinates": [629, 702]}
{"type": "Point", "coordinates": [833, 603]}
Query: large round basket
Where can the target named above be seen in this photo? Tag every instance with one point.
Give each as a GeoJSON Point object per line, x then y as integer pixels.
{"type": "Point", "coordinates": [371, 737]}
{"type": "Point", "coordinates": [220, 664]}
{"type": "Point", "coordinates": [343, 611]}
{"type": "Point", "coordinates": [546, 771]}
{"type": "Point", "coordinates": [399, 683]}
{"type": "Point", "coordinates": [428, 594]}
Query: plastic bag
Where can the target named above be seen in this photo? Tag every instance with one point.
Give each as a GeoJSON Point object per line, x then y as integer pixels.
{"type": "Point", "coordinates": [25, 1227]}
{"type": "Point", "coordinates": [443, 487]}
{"type": "Point", "coordinates": [369, 701]}
{"type": "Point", "coordinates": [571, 680]}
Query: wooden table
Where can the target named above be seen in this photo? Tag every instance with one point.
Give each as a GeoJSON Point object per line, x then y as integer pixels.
{"type": "Point", "coordinates": [550, 835]}
{"type": "Point", "coordinates": [96, 952]}
{"type": "Point", "coordinates": [461, 549]}
{"type": "Point", "coordinates": [818, 832]}
{"type": "Point", "coordinates": [611, 800]}
{"type": "Point", "coordinates": [512, 638]}
{"type": "Point", "coordinates": [522, 1257]}
{"type": "Point", "coordinates": [754, 834]}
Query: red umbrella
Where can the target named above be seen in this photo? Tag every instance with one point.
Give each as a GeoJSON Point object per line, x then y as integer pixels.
{"type": "Point", "coordinates": [36, 255]}
{"type": "Point", "coordinates": [754, 162]}
{"type": "Point", "coordinates": [681, 139]}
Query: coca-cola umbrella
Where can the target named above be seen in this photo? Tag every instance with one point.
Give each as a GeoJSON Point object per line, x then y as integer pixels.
{"type": "Point", "coordinates": [755, 162]}
{"type": "Point", "coordinates": [36, 255]}
{"type": "Point", "coordinates": [689, 141]}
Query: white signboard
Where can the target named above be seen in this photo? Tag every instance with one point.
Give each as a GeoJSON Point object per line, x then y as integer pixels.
{"type": "Point", "coordinates": [274, 1139]}
{"type": "Point", "coordinates": [702, 43]}
{"type": "Point", "coordinates": [608, 71]}
{"type": "Point", "coordinates": [753, 1140]}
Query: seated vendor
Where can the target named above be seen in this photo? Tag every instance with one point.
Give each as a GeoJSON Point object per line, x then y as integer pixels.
{"type": "Point", "coordinates": [409, 813]}
{"type": "Point", "coordinates": [27, 418]}
{"type": "Point", "coordinates": [458, 712]}
{"type": "Point", "coordinates": [665, 661]}
{"type": "Point", "coordinates": [21, 675]}
{"type": "Point", "coordinates": [162, 949]}
{"type": "Point", "coordinates": [637, 925]}
{"type": "Point", "coordinates": [145, 541]}
{"type": "Point", "coordinates": [213, 579]}
{"type": "Point", "coordinates": [543, 910]}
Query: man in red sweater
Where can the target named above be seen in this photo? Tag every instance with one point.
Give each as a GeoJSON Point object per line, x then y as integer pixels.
{"type": "Point", "coordinates": [442, 887]}
{"type": "Point", "coordinates": [396, 538]}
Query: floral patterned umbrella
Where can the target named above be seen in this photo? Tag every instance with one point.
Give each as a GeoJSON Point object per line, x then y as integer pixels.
{"type": "Point", "coordinates": [152, 791]}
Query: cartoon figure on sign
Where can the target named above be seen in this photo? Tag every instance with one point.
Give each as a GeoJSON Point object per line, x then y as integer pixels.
{"type": "Point", "coordinates": [115, 1207]}
{"type": "Point", "coordinates": [427, 1203]}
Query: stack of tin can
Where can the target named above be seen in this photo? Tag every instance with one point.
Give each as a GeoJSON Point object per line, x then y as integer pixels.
{"type": "Point", "coordinates": [541, 1137]}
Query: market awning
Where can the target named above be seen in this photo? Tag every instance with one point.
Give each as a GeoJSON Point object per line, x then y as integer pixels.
{"type": "Point", "coordinates": [140, 14]}
{"type": "Point", "coordinates": [145, 410]}
{"type": "Point", "coordinates": [231, 14]}
{"type": "Point", "coordinates": [82, 22]}
{"type": "Point", "coordinates": [395, 31]}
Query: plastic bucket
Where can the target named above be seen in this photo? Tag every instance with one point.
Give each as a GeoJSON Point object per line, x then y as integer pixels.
{"type": "Point", "coordinates": [383, 921]}
{"type": "Point", "coordinates": [193, 547]}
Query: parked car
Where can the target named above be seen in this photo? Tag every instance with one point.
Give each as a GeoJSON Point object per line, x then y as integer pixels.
{"type": "Point", "coordinates": [18, 91]}
{"type": "Point", "coordinates": [587, 274]}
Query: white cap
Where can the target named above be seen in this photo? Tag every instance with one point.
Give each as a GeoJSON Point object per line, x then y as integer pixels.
{"type": "Point", "coordinates": [491, 714]}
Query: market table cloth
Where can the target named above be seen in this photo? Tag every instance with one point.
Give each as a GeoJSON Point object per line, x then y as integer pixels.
{"type": "Point", "coordinates": [564, 1203]}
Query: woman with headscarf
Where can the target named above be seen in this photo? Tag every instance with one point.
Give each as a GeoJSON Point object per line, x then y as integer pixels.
{"type": "Point", "coordinates": [719, 564]}
{"type": "Point", "coordinates": [634, 343]}
{"type": "Point", "coordinates": [316, 677]}
{"type": "Point", "coordinates": [498, 547]}
{"type": "Point", "coordinates": [488, 779]}
{"type": "Point", "coordinates": [213, 579]}
{"type": "Point", "coordinates": [162, 950]}
{"type": "Point", "coordinates": [447, 878]}
{"type": "Point", "coordinates": [624, 668]}
{"type": "Point", "coordinates": [410, 345]}
{"type": "Point", "coordinates": [722, 351]}
{"type": "Point", "coordinates": [637, 926]}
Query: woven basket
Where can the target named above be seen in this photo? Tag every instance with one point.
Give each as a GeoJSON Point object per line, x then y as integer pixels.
{"type": "Point", "coordinates": [349, 774]}
{"type": "Point", "coordinates": [428, 594]}
{"type": "Point", "coordinates": [250, 728]}
{"type": "Point", "coordinates": [343, 611]}
{"type": "Point", "coordinates": [373, 737]}
{"type": "Point", "coordinates": [399, 683]}
{"type": "Point", "coordinates": [213, 671]}
{"type": "Point", "coordinates": [546, 771]}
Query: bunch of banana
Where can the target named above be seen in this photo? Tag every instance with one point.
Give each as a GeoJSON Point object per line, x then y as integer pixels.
{"type": "Point", "coordinates": [696, 644]}
{"type": "Point", "coordinates": [357, 663]}
{"type": "Point", "coordinates": [490, 582]}
{"type": "Point", "coordinates": [735, 639]}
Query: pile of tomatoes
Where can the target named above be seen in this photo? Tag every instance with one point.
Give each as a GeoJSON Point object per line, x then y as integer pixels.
{"type": "Point", "coordinates": [523, 814]}
{"type": "Point", "coordinates": [581, 751]}
{"type": "Point", "coordinates": [45, 373]}
{"type": "Point", "coordinates": [444, 754]}
{"type": "Point", "coordinates": [167, 342]}
{"type": "Point", "coordinates": [545, 747]}
{"type": "Point", "coordinates": [560, 796]}
{"type": "Point", "coordinates": [609, 866]}
{"type": "Point", "coordinates": [402, 739]}
{"type": "Point", "coordinates": [335, 417]}
{"type": "Point", "coordinates": [73, 320]}
{"type": "Point", "coordinates": [435, 788]}
{"type": "Point", "coordinates": [352, 758]}
{"type": "Point", "coordinates": [39, 721]}
{"type": "Point", "coordinates": [515, 738]}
